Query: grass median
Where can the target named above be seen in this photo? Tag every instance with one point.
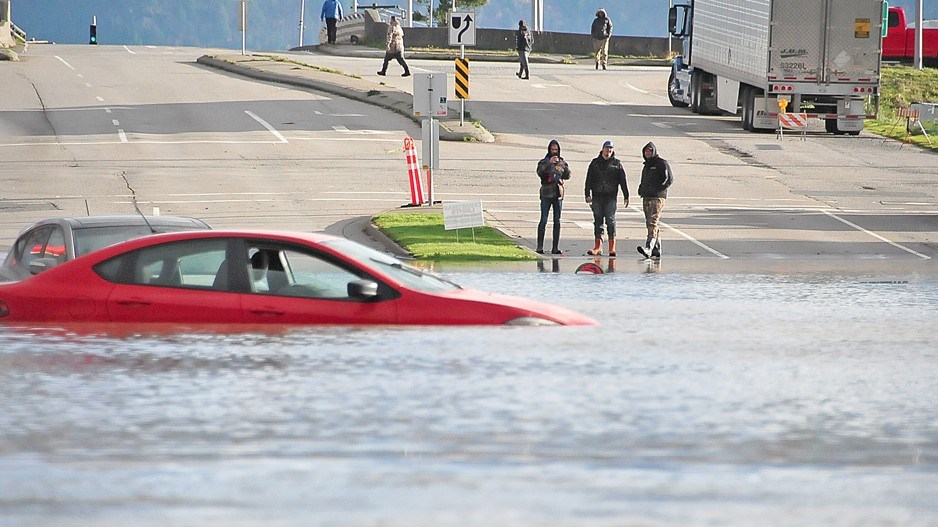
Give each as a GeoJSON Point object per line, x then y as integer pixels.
{"type": "Point", "coordinates": [423, 235]}
{"type": "Point", "coordinates": [900, 86]}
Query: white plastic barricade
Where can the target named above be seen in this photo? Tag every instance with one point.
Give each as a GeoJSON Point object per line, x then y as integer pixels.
{"type": "Point", "coordinates": [792, 121]}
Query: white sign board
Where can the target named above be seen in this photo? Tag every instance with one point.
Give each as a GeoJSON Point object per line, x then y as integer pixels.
{"type": "Point", "coordinates": [462, 29]}
{"type": "Point", "coordinates": [430, 94]}
{"type": "Point", "coordinates": [462, 215]}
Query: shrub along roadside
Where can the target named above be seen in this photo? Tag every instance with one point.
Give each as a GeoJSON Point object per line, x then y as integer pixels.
{"type": "Point", "coordinates": [901, 86]}
{"type": "Point", "coordinates": [422, 234]}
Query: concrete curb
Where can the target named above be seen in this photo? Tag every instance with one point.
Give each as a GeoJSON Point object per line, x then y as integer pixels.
{"type": "Point", "coordinates": [349, 87]}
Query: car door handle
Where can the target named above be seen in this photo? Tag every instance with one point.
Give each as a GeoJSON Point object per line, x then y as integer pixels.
{"type": "Point", "coordinates": [267, 312]}
{"type": "Point", "coordinates": [133, 303]}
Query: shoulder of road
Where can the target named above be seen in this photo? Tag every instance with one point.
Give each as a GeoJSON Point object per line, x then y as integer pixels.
{"type": "Point", "coordinates": [271, 67]}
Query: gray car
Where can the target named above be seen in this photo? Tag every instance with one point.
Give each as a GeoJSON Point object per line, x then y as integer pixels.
{"type": "Point", "coordinates": [55, 240]}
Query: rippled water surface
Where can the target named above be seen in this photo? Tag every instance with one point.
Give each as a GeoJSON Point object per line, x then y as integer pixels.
{"type": "Point", "coordinates": [703, 399]}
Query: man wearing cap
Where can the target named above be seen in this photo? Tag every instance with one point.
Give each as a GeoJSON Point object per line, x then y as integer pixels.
{"type": "Point", "coordinates": [604, 177]}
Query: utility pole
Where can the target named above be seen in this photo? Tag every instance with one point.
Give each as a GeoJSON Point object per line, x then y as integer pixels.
{"type": "Point", "coordinates": [917, 58]}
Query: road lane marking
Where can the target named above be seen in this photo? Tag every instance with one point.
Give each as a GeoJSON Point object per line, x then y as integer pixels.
{"type": "Point", "coordinates": [116, 122]}
{"type": "Point", "coordinates": [340, 128]}
{"type": "Point", "coordinates": [122, 135]}
{"type": "Point", "coordinates": [66, 63]}
{"type": "Point", "coordinates": [266, 125]}
{"type": "Point", "coordinates": [80, 76]}
{"type": "Point", "coordinates": [877, 236]}
{"type": "Point", "coordinates": [88, 84]}
{"type": "Point", "coordinates": [627, 85]}
{"type": "Point", "coordinates": [129, 50]}
{"type": "Point", "coordinates": [100, 99]}
{"type": "Point", "coordinates": [686, 236]}
{"type": "Point", "coordinates": [107, 110]}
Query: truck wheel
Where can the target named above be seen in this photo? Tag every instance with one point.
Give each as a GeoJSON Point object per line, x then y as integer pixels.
{"type": "Point", "coordinates": [672, 93]}
{"type": "Point", "coordinates": [830, 125]}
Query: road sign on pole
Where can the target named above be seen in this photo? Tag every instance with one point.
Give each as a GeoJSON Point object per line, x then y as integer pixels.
{"type": "Point", "coordinates": [462, 78]}
{"type": "Point", "coordinates": [462, 29]}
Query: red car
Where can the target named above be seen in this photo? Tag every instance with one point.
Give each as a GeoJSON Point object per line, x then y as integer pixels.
{"type": "Point", "coordinates": [247, 277]}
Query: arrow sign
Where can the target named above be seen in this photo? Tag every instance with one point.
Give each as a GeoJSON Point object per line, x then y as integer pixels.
{"type": "Point", "coordinates": [462, 30]}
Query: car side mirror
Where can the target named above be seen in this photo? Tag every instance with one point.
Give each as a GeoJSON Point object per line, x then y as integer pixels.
{"type": "Point", "coordinates": [42, 264]}
{"type": "Point", "coordinates": [363, 289]}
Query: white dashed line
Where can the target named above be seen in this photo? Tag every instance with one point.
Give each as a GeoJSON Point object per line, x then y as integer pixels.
{"type": "Point", "coordinates": [116, 122]}
{"type": "Point", "coordinates": [129, 50]}
{"type": "Point", "coordinates": [627, 85]}
{"type": "Point", "coordinates": [88, 84]}
{"type": "Point", "coordinates": [107, 110]}
{"type": "Point", "coordinates": [340, 128]}
{"type": "Point", "coordinates": [266, 125]}
{"type": "Point", "coordinates": [122, 135]}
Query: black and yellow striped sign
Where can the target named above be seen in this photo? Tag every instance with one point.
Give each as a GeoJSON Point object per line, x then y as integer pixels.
{"type": "Point", "coordinates": [462, 78]}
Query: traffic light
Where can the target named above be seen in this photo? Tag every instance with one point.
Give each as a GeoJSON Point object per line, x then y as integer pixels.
{"type": "Point", "coordinates": [93, 30]}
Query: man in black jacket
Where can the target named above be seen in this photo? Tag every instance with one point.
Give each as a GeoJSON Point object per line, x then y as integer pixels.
{"type": "Point", "coordinates": [601, 31]}
{"type": "Point", "coordinates": [604, 178]}
{"type": "Point", "coordinates": [656, 178]}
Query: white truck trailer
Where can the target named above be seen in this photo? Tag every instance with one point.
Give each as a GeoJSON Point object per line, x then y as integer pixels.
{"type": "Point", "coordinates": [742, 56]}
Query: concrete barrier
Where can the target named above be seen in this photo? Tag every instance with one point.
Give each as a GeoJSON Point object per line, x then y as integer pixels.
{"type": "Point", "coordinates": [6, 32]}
{"type": "Point", "coordinates": [349, 29]}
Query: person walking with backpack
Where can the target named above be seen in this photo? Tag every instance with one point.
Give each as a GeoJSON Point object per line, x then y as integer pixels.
{"type": "Point", "coordinates": [553, 171]}
{"type": "Point", "coordinates": [601, 31]}
{"type": "Point", "coordinates": [656, 179]}
{"type": "Point", "coordinates": [604, 178]}
{"type": "Point", "coordinates": [525, 41]}
{"type": "Point", "coordinates": [395, 47]}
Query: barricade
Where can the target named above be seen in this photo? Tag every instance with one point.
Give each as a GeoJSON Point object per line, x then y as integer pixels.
{"type": "Point", "coordinates": [792, 121]}
{"type": "Point", "coordinates": [349, 29]}
{"type": "Point", "coordinates": [413, 172]}
{"type": "Point", "coordinates": [911, 119]}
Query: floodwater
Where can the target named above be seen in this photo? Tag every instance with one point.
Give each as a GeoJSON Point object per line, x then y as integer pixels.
{"type": "Point", "coordinates": [766, 398]}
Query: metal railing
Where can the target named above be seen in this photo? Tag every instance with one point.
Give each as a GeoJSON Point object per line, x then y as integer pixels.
{"type": "Point", "coordinates": [18, 34]}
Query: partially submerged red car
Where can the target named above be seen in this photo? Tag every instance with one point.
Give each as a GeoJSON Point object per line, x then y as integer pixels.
{"type": "Point", "coordinates": [257, 277]}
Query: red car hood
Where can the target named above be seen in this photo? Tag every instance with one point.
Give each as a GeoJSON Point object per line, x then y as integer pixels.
{"type": "Point", "coordinates": [525, 306]}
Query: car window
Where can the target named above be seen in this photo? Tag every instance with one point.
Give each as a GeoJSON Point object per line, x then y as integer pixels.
{"type": "Point", "coordinates": [90, 239]}
{"type": "Point", "coordinates": [34, 245]}
{"type": "Point", "coordinates": [396, 269]}
{"type": "Point", "coordinates": [55, 247]}
{"type": "Point", "coordinates": [199, 264]}
{"type": "Point", "coordinates": [288, 272]}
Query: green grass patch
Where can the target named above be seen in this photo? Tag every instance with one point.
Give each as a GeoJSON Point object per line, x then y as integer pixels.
{"type": "Point", "coordinates": [900, 86]}
{"type": "Point", "coordinates": [422, 234]}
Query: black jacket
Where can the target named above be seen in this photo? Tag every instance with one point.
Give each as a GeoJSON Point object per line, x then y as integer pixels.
{"type": "Point", "coordinates": [525, 40]}
{"type": "Point", "coordinates": [601, 28]}
{"type": "Point", "coordinates": [552, 174]}
{"type": "Point", "coordinates": [605, 177]}
{"type": "Point", "coordinates": [656, 175]}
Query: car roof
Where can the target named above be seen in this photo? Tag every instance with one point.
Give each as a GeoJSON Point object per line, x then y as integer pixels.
{"type": "Point", "coordinates": [276, 235]}
{"type": "Point", "coordinates": [128, 220]}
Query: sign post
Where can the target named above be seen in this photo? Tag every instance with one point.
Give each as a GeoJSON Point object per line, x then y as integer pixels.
{"type": "Point", "coordinates": [462, 33]}
{"type": "Point", "coordinates": [243, 22]}
{"type": "Point", "coordinates": [430, 101]}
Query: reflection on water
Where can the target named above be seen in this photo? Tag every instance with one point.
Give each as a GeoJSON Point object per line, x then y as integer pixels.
{"type": "Point", "coordinates": [702, 399]}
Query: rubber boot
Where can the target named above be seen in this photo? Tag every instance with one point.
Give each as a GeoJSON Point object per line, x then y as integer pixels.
{"type": "Point", "coordinates": [612, 246]}
{"type": "Point", "coordinates": [656, 249]}
{"type": "Point", "coordinates": [597, 248]}
{"type": "Point", "coordinates": [556, 241]}
{"type": "Point", "coordinates": [646, 250]}
{"type": "Point", "coordinates": [540, 239]}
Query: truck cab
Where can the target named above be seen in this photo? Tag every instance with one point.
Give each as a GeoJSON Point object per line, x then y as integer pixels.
{"type": "Point", "coordinates": [899, 42]}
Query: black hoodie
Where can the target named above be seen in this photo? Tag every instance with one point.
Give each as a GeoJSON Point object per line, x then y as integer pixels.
{"type": "Point", "coordinates": [656, 175]}
{"type": "Point", "coordinates": [552, 174]}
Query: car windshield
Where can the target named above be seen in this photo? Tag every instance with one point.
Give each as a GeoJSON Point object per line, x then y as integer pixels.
{"type": "Point", "coordinates": [90, 239]}
{"type": "Point", "coordinates": [403, 273]}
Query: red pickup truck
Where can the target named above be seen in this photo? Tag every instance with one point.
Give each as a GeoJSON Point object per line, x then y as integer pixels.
{"type": "Point", "coordinates": [899, 42]}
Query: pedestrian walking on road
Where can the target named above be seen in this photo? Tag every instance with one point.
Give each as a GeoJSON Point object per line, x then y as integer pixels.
{"type": "Point", "coordinates": [601, 31]}
{"type": "Point", "coordinates": [553, 171]}
{"type": "Point", "coordinates": [525, 41]}
{"type": "Point", "coordinates": [604, 178]}
{"type": "Point", "coordinates": [656, 179]}
{"type": "Point", "coordinates": [331, 13]}
{"type": "Point", "coordinates": [395, 47]}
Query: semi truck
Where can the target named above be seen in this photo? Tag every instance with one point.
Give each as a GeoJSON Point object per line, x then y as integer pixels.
{"type": "Point", "coordinates": [821, 57]}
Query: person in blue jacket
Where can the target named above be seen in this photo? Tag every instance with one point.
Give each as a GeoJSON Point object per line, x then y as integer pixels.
{"type": "Point", "coordinates": [331, 13]}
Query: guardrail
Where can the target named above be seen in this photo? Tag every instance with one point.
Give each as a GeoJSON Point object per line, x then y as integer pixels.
{"type": "Point", "coordinates": [18, 34]}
